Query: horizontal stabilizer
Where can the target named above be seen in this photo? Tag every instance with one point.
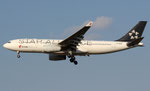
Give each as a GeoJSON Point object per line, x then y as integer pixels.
{"type": "Point", "coordinates": [135, 42]}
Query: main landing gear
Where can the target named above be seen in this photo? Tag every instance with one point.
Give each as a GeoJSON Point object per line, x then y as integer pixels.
{"type": "Point", "coordinates": [72, 60]}
{"type": "Point", "coordinates": [18, 54]}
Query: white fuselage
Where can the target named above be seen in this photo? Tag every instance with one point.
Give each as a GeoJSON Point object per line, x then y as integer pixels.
{"type": "Point", "coordinates": [86, 47]}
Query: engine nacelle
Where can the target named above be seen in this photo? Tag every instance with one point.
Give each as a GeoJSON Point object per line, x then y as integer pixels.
{"type": "Point", "coordinates": [55, 57]}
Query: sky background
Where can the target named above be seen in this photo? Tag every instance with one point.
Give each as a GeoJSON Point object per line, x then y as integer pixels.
{"type": "Point", "coordinates": [123, 71]}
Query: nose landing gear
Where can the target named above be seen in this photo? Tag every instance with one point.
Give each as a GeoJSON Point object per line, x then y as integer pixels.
{"type": "Point", "coordinates": [18, 54]}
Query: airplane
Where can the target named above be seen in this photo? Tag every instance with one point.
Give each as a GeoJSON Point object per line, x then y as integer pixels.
{"type": "Point", "coordinates": [75, 45]}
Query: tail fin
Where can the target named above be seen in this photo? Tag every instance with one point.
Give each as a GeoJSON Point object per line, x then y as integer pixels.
{"type": "Point", "coordinates": [135, 33]}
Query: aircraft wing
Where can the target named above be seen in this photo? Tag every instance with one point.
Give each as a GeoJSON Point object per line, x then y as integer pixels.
{"type": "Point", "coordinates": [72, 42]}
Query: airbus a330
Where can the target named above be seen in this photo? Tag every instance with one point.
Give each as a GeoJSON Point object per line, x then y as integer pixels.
{"type": "Point", "coordinates": [75, 45]}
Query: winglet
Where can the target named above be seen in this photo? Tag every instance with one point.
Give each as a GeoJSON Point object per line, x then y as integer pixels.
{"type": "Point", "coordinates": [89, 24]}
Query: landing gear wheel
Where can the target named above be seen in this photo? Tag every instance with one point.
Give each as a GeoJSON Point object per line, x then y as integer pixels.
{"type": "Point", "coordinates": [71, 60]}
{"type": "Point", "coordinates": [18, 56]}
{"type": "Point", "coordinates": [75, 62]}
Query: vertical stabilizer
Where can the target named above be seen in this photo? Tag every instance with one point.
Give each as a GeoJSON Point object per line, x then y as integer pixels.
{"type": "Point", "coordinates": [135, 33]}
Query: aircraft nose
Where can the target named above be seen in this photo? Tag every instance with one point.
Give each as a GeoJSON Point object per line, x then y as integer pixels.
{"type": "Point", "coordinates": [5, 45]}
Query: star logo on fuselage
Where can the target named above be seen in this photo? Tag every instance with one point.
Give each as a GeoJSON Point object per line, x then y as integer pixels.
{"type": "Point", "coordinates": [133, 34]}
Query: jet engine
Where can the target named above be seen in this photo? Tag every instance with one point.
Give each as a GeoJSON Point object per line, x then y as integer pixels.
{"type": "Point", "coordinates": [55, 57]}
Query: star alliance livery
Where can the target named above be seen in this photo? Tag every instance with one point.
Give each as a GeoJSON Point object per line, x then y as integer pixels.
{"type": "Point", "coordinates": [75, 45]}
